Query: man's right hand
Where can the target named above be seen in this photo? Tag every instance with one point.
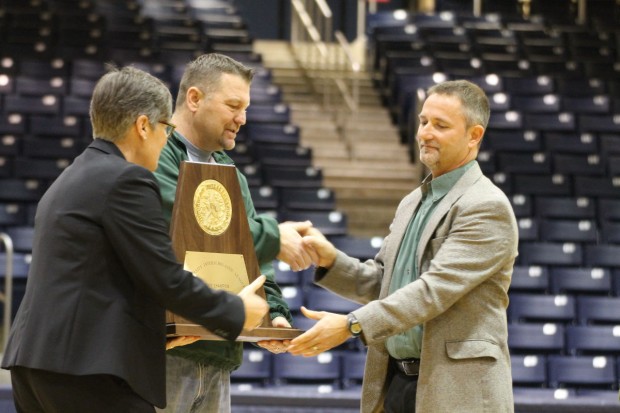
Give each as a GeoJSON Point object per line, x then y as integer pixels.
{"type": "Point", "coordinates": [320, 247]}
{"type": "Point", "coordinates": [255, 306]}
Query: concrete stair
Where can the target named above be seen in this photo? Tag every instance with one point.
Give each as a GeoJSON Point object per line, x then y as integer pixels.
{"type": "Point", "coordinates": [361, 157]}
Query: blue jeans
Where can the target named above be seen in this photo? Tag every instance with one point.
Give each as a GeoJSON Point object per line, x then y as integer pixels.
{"type": "Point", "coordinates": [195, 388]}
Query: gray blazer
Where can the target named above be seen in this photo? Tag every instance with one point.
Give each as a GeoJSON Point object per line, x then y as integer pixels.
{"type": "Point", "coordinates": [466, 256]}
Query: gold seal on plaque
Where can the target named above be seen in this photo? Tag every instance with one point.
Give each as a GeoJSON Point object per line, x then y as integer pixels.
{"type": "Point", "coordinates": [212, 207]}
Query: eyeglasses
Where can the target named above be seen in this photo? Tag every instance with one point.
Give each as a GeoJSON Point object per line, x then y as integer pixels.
{"type": "Point", "coordinates": [170, 127]}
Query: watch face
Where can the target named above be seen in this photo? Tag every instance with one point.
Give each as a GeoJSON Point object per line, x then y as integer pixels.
{"type": "Point", "coordinates": [356, 328]}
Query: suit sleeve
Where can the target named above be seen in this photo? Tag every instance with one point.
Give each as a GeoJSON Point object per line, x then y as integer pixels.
{"type": "Point", "coordinates": [133, 221]}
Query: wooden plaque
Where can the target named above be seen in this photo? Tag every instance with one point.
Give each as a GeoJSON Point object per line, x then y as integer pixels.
{"type": "Point", "coordinates": [211, 237]}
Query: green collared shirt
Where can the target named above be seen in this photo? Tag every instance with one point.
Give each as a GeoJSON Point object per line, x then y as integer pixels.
{"type": "Point", "coordinates": [408, 344]}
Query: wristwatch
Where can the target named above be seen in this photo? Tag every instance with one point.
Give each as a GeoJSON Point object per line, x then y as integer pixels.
{"type": "Point", "coordinates": [354, 326]}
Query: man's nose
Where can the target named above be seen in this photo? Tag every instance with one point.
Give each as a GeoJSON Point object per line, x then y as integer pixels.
{"type": "Point", "coordinates": [240, 119]}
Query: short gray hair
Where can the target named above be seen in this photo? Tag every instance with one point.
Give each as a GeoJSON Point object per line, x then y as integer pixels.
{"type": "Point", "coordinates": [473, 99]}
{"type": "Point", "coordinates": [121, 96]}
{"type": "Point", "coordinates": [205, 72]}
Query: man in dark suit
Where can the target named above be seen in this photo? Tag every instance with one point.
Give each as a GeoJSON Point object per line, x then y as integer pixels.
{"type": "Point", "coordinates": [90, 333]}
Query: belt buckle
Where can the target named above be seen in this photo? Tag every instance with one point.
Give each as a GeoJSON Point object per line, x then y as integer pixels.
{"type": "Point", "coordinates": [409, 367]}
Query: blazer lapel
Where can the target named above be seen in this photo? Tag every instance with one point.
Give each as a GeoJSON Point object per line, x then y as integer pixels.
{"type": "Point", "coordinates": [467, 180]}
{"type": "Point", "coordinates": [398, 229]}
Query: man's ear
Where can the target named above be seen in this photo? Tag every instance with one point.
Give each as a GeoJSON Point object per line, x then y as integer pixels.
{"type": "Point", "coordinates": [476, 133]}
{"type": "Point", "coordinates": [192, 98]}
{"type": "Point", "coordinates": [141, 126]}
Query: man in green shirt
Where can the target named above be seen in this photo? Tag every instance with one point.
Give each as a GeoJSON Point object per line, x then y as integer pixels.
{"type": "Point", "coordinates": [213, 96]}
{"type": "Point", "coordinates": [436, 294]}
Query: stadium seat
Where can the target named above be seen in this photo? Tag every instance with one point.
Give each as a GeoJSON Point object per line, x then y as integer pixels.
{"type": "Point", "coordinates": [550, 253]}
{"type": "Point", "coordinates": [353, 364]}
{"type": "Point", "coordinates": [324, 368]}
{"type": "Point", "coordinates": [608, 209]}
{"type": "Point", "coordinates": [12, 214]}
{"type": "Point", "coordinates": [529, 370]}
{"type": "Point", "coordinates": [534, 338]}
{"type": "Point", "coordinates": [541, 308]}
{"type": "Point", "coordinates": [597, 187]}
{"type": "Point", "coordinates": [580, 280]}
{"type": "Point", "coordinates": [512, 140]}
{"type": "Point", "coordinates": [284, 275]}
{"type": "Point", "coordinates": [293, 177]}
{"type": "Point", "coordinates": [273, 133]}
{"type": "Point", "coordinates": [319, 299]}
{"type": "Point", "coordinates": [533, 278]}
{"type": "Point", "coordinates": [610, 232]}
{"type": "Point", "coordinates": [598, 310]}
{"type": "Point", "coordinates": [309, 199]}
{"type": "Point", "coordinates": [529, 163]}
{"type": "Point", "coordinates": [577, 164]}
{"type": "Point", "coordinates": [22, 238]}
{"type": "Point", "coordinates": [330, 223]}
{"type": "Point", "coordinates": [521, 205]}
{"type": "Point", "coordinates": [593, 340]}
{"type": "Point", "coordinates": [571, 142]}
{"type": "Point", "coordinates": [357, 247]}
{"type": "Point", "coordinates": [264, 197]}
{"type": "Point", "coordinates": [565, 207]}
{"type": "Point", "coordinates": [21, 190]}
{"type": "Point", "coordinates": [603, 255]}
{"type": "Point", "coordinates": [256, 368]}
{"type": "Point", "coordinates": [528, 229]}
{"type": "Point", "coordinates": [563, 230]}
{"type": "Point", "coordinates": [586, 371]}
{"type": "Point", "coordinates": [548, 185]}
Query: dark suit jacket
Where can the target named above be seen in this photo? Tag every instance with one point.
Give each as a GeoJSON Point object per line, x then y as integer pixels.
{"type": "Point", "coordinates": [102, 273]}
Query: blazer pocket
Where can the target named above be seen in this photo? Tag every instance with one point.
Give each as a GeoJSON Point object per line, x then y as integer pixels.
{"type": "Point", "coordinates": [469, 349]}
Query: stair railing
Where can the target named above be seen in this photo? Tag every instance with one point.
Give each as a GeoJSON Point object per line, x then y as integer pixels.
{"type": "Point", "coordinates": [7, 296]}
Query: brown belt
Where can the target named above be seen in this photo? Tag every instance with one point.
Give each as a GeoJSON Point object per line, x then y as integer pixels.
{"type": "Point", "coordinates": [409, 367]}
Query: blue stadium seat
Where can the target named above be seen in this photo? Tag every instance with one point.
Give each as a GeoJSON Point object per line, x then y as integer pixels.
{"type": "Point", "coordinates": [22, 238]}
{"type": "Point", "coordinates": [12, 214]}
{"type": "Point", "coordinates": [283, 155]}
{"type": "Point", "coordinates": [353, 364]}
{"type": "Point", "coordinates": [608, 209]}
{"type": "Point", "coordinates": [535, 338]}
{"type": "Point", "coordinates": [521, 205]}
{"type": "Point", "coordinates": [598, 123]}
{"type": "Point", "coordinates": [529, 163]}
{"type": "Point", "coordinates": [256, 368]}
{"type": "Point", "coordinates": [319, 299]}
{"type": "Point", "coordinates": [578, 164]}
{"type": "Point", "coordinates": [529, 370]}
{"type": "Point", "coordinates": [309, 199]}
{"type": "Point", "coordinates": [265, 197]}
{"type": "Point", "coordinates": [610, 143]}
{"type": "Point", "coordinates": [41, 105]}
{"type": "Point", "coordinates": [593, 340]}
{"type": "Point", "coordinates": [330, 223]}
{"type": "Point", "coordinates": [21, 190]}
{"type": "Point", "coordinates": [357, 247]}
{"type": "Point", "coordinates": [597, 187]}
{"type": "Point", "coordinates": [586, 371]}
{"type": "Point", "coordinates": [294, 296]}
{"type": "Point", "coordinates": [610, 232]}
{"type": "Point", "coordinates": [533, 278]}
{"type": "Point", "coordinates": [324, 368]}
{"type": "Point", "coordinates": [587, 104]}
{"type": "Point", "coordinates": [548, 185]}
{"type": "Point", "coordinates": [273, 113]}
{"type": "Point", "coordinates": [284, 275]}
{"type": "Point", "coordinates": [541, 308]}
{"type": "Point", "coordinates": [293, 177]}
{"type": "Point", "coordinates": [550, 253]}
{"type": "Point", "coordinates": [547, 103]}
{"type": "Point", "coordinates": [513, 140]}
{"type": "Point", "coordinates": [528, 229]}
{"type": "Point", "coordinates": [603, 255]}
{"type": "Point", "coordinates": [40, 168]}
{"type": "Point", "coordinates": [562, 121]}
{"type": "Point", "coordinates": [580, 280]}
{"type": "Point", "coordinates": [50, 147]}
{"type": "Point", "coordinates": [273, 133]}
{"type": "Point", "coordinates": [55, 126]}
{"type": "Point", "coordinates": [598, 310]}
{"type": "Point", "coordinates": [571, 142]}
{"type": "Point", "coordinates": [565, 207]}
{"type": "Point", "coordinates": [563, 230]}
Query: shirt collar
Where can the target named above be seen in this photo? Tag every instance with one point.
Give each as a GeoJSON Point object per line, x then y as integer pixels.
{"type": "Point", "coordinates": [440, 186]}
{"type": "Point", "coordinates": [194, 153]}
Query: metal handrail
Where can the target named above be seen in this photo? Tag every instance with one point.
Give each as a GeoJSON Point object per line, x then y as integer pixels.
{"type": "Point", "coordinates": [311, 31]}
{"type": "Point", "coordinates": [7, 296]}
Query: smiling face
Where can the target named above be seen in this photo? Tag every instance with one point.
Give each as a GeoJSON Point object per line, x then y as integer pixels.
{"type": "Point", "coordinates": [217, 117]}
{"type": "Point", "coordinates": [444, 139]}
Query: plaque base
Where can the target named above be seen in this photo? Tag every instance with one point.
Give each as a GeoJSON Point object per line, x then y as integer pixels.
{"type": "Point", "coordinates": [258, 334]}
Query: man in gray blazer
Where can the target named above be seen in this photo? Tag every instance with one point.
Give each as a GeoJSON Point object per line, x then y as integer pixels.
{"type": "Point", "coordinates": [436, 294]}
{"type": "Point", "coordinates": [89, 335]}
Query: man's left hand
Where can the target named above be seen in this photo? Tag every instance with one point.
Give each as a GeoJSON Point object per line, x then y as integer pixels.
{"type": "Point", "coordinates": [330, 331]}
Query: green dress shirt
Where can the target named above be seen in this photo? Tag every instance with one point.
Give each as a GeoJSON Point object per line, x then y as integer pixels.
{"type": "Point", "coordinates": [408, 343]}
